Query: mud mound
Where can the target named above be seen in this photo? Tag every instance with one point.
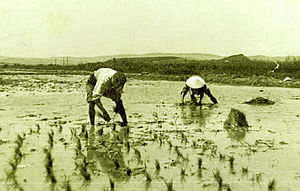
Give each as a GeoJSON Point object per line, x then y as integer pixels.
{"type": "Point", "coordinates": [260, 101]}
{"type": "Point", "coordinates": [236, 120]}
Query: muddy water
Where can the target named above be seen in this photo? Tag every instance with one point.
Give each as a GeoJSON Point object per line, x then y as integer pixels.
{"type": "Point", "coordinates": [159, 130]}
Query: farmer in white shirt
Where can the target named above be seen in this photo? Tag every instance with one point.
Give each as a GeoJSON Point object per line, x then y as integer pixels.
{"type": "Point", "coordinates": [108, 83]}
{"type": "Point", "coordinates": [196, 85]}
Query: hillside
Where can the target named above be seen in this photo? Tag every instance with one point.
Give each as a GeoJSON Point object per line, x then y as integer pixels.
{"type": "Point", "coordinates": [83, 60]}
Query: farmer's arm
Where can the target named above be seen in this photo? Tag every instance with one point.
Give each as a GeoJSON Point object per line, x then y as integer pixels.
{"type": "Point", "coordinates": [105, 115]}
{"type": "Point", "coordinates": [184, 91]}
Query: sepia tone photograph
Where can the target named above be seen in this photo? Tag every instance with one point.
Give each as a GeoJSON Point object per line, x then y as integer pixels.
{"type": "Point", "coordinates": [147, 95]}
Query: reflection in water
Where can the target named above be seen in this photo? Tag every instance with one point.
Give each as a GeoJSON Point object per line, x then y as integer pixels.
{"type": "Point", "coordinates": [105, 151]}
{"type": "Point", "coordinates": [191, 114]}
{"type": "Point", "coordinates": [236, 134]}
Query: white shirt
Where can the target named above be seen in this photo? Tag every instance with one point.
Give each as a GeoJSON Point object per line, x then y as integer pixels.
{"type": "Point", "coordinates": [102, 76]}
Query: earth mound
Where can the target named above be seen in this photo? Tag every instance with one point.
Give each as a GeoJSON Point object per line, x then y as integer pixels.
{"type": "Point", "coordinates": [260, 101]}
{"type": "Point", "coordinates": [236, 120]}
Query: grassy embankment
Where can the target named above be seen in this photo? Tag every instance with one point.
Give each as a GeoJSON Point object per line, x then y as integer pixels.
{"type": "Point", "coordinates": [234, 70]}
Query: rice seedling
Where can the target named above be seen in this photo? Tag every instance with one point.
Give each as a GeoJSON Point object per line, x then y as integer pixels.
{"type": "Point", "coordinates": [114, 127]}
{"type": "Point", "coordinates": [117, 165]}
{"type": "Point", "coordinates": [218, 178]}
{"type": "Point", "coordinates": [19, 141]}
{"type": "Point", "coordinates": [148, 180]}
{"type": "Point", "coordinates": [112, 184]}
{"type": "Point", "coordinates": [221, 157]}
{"type": "Point", "coordinates": [244, 170]}
{"type": "Point", "coordinates": [157, 165]}
{"type": "Point", "coordinates": [16, 185]}
{"type": "Point", "coordinates": [258, 177]}
{"type": "Point", "coordinates": [100, 131]}
{"type": "Point", "coordinates": [169, 185]}
{"type": "Point", "coordinates": [85, 174]}
{"type": "Point", "coordinates": [170, 144]}
{"type": "Point", "coordinates": [231, 160]}
{"type": "Point", "coordinates": [83, 130]}
{"type": "Point", "coordinates": [78, 144]}
{"type": "Point", "coordinates": [199, 163]}
{"type": "Point", "coordinates": [271, 185]}
{"type": "Point", "coordinates": [86, 135]}
{"type": "Point", "coordinates": [160, 141]}
{"type": "Point", "coordinates": [127, 144]}
{"type": "Point", "coordinates": [128, 171]}
{"type": "Point", "coordinates": [182, 174]}
{"type": "Point", "coordinates": [148, 177]}
{"type": "Point", "coordinates": [137, 154]}
{"type": "Point", "coordinates": [50, 139]}
{"type": "Point", "coordinates": [66, 184]}
{"type": "Point", "coordinates": [194, 144]}
{"type": "Point", "coordinates": [38, 128]}
{"type": "Point", "coordinates": [10, 175]}
{"type": "Point", "coordinates": [177, 151]}
{"type": "Point", "coordinates": [60, 128]}
{"type": "Point", "coordinates": [30, 131]}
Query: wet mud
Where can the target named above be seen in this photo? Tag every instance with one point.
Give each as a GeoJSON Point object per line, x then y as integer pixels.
{"type": "Point", "coordinates": [47, 144]}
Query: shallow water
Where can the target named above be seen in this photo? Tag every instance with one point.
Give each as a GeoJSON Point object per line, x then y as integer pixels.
{"type": "Point", "coordinates": [159, 127]}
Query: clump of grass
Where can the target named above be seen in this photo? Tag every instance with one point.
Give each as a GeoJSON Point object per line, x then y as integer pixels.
{"type": "Point", "coordinates": [271, 185]}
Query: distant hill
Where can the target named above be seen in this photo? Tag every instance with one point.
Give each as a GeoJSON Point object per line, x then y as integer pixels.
{"type": "Point", "coordinates": [68, 60]}
{"type": "Point", "coordinates": [275, 58]}
{"type": "Point", "coordinates": [239, 58]}
{"type": "Point", "coordinates": [84, 60]}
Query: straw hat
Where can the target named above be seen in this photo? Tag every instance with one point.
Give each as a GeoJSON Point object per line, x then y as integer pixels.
{"type": "Point", "coordinates": [195, 82]}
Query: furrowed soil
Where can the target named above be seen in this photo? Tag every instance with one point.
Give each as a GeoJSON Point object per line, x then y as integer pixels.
{"type": "Point", "coordinates": [159, 150]}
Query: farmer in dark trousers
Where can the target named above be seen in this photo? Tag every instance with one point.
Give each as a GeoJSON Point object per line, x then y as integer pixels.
{"type": "Point", "coordinates": [196, 86]}
{"type": "Point", "coordinates": [108, 83]}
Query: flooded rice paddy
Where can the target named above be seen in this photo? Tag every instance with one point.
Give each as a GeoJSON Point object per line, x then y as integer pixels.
{"type": "Point", "coordinates": [46, 142]}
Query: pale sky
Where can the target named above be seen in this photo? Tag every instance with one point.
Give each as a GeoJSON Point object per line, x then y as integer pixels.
{"type": "Point", "coordinates": [46, 28]}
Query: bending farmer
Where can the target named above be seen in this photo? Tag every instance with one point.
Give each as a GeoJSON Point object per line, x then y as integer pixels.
{"type": "Point", "coordinates": [108, 83]}
{"type": "Point", "coordinates": [196, 86]}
